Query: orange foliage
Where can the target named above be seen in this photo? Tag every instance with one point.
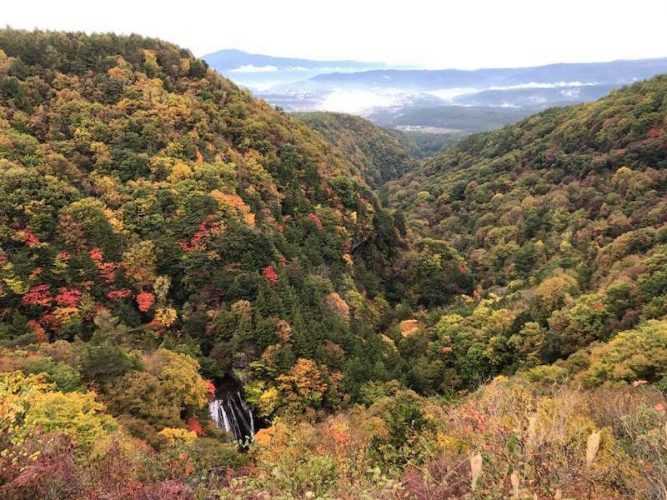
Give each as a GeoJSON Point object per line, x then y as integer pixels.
{"type": "Point", "coordinates": [337, 305]}
{"type": "Point", "coordinates": [303, 385]}
{"type": "Point", "coordinates": [210, 389]}
{"type": "Point", "coordinates": [107, 271]}
{"type": "Point", "coordinates": [194, 426]}
{"type": "Point", "coordinates": [145, 301]}
{"type": "Point", "coordinates": [236, 202]}
{"type": "Point", "coordinates": [38, 330]}
{"type": "Point", "coordinates": [409, 327]}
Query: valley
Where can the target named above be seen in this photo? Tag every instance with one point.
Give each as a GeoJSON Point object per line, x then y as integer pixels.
{"type": "Point", "coordinates": [205, 294]}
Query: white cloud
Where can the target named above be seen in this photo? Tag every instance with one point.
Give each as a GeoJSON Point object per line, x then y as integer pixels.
{"type": "Point", "coordinates": [249, 68]}
{"type": "Point", "coordinates": [571, 92]}
{"type": "Point", "coordinates": [450, 94]}
{"type": "Point", "coordinates": [360, 101]}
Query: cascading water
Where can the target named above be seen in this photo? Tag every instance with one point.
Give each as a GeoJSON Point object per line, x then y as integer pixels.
{"type": "Point", "coordinates": [232, 414]}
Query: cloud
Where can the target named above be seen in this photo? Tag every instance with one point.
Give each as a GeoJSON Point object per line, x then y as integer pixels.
{"type": "Point", "coordinates": [249, 68]}
{"type": "Point", "coordinates": [450, 94]}
{"type": "Point", "coordinates": [574, 92]}
{"type": "Point", "coordinates": [360, 101]}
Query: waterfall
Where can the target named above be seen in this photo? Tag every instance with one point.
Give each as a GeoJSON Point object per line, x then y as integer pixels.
{"type": "Point", "coordinates": [232, 414]}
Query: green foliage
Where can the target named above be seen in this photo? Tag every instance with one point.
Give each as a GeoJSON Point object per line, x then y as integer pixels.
{"type": "Point", "coordinates": [103, 360]}
{"type": "Point", "coordinates": [379, 155]}
{"type": "Point", "coordinates": [558, 217]}
{"type": "Point", "coordinates": [29, 405]}
{"type": "Point", "coordinates": [639, 354]}
{"type": "Point", "coordinates": [405, 421]}
{"type": "Point", "coordinates": [233, 240]}
{"type": "Point", "coordinates": [64, 377]}
{"type": "Point", "coordinates": [314, 475]}
{"type": "Point", "coordinates": [127, 164]}
{"type": "Point", "coordinates": [169, 387]}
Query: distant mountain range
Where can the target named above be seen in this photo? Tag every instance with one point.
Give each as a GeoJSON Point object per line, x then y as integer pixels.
{"type": "Point", "coordinates": [614, 72]}
{"type": "Point", "coordinates": [435, 101]}
{"type": "Point", "coordinates": [259, 70]}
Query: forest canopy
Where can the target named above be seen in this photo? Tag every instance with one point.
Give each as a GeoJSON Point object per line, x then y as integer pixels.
{"type": "Point", "coordinates": [399, 328]}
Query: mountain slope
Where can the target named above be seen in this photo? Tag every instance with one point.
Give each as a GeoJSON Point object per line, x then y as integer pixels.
{"type": "Point", "coordinates": [562, 222]}
{"type": "Point", "coordinates": [158, 225]}
{"type": "Point", "coordinates": [139, 183]}
{"type": "Point", "coordinates": [378, 154]}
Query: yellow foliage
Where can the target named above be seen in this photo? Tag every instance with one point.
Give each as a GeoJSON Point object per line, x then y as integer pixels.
{"type": "Point", "coordinates": [303, 385]}
{"type": "Point", "coordinates": [179, 172]}
{"type": "Point", "coordinates": [166, 316]}
{"type": "Point", "coordinates": [102, 153]}
{"type": "Point", "coordinates": [139, 262]}
{"type": "Point", "coordinates": [554, 291]}
{"type": "Point", "coordinates": [28, 405]}
{"type": "Point", "coordinates": [180, 373]}
{"type": "Point", "coordinates": [16, 285]}
{"type": "Point", "coordinates": [449, 444]}
{"type": "Point", "coordinates": [242, 308]}
{"type": "Point", "coordinates": [64, 314]}
{"type": "Point", "coordinates": [269, 401]}
{"type": "Point", "coordinates": [161, 288]}
{"type": "Point", "coordinates": [235, 202]}
{"type": "Point", "coordinates": [175, 436]}
{"type": "Point", "coordinates": [115, 222]}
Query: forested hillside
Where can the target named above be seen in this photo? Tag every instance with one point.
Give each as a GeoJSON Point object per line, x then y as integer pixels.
{"type": "Point", "coordinates": [166, 239]}
{"type": "Point", "coordinates": [562, 221]}
{"type": "Point", "coordinates": [160, 227]}
{"type": "Point", "coordinates": [378, 154]}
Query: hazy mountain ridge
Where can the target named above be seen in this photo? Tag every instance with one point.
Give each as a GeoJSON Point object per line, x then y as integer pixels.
{"type": "Point", "coordinates": [613, 72]}
{"type": "Point", "coordinates": [423, 100]}
{"type": "Point", "coordinates": [451, 119]}
{"type": "Point", "coordinates": [229, 59]}
{"type": "Point", "coordinates": [259, 71]}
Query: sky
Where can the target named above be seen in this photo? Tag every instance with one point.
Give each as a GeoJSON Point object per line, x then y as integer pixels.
{"type": "Point", "coordinates": [462, 34]}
